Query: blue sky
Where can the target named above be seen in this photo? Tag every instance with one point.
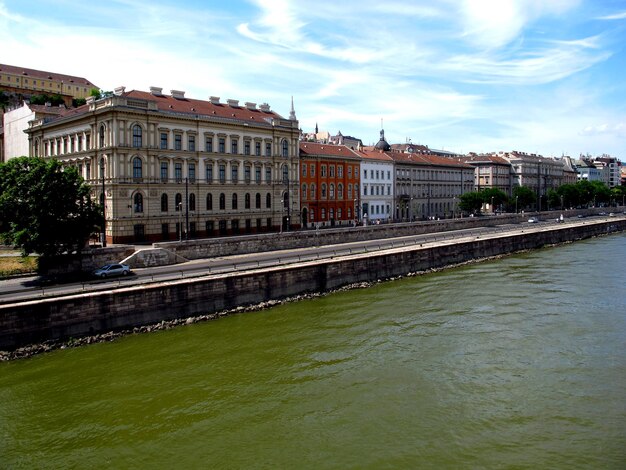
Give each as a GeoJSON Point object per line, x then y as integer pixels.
{"type": "Point", "coordinates": [464, 75]}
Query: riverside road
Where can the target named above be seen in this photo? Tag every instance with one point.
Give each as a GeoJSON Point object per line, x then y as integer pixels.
{"type": "Point", "coordinates": [25, 289]}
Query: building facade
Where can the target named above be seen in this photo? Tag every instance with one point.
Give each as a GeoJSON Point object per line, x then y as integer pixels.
{"type": "Point", "coordinates": [171, 167]}
{"type": "Point", "coordinates": [377, 186]}
{"type": "Point", "coordinates": [329, 179]}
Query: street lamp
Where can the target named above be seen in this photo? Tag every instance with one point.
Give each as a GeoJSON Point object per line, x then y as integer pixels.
{"type": "Point", "coordinates": [103, 236]}
{"type": "Point", "coordinates": [561, 202]}
{"type": "Point", "coordinates": [493, 211]}
{"type": "Point", "coordinates": [516, 203]}
{"type": "Point", "coordinates": [180, 221]}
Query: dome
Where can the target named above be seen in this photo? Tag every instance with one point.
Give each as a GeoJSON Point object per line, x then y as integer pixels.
{"type": "Point", "coordinates": [382, 143]}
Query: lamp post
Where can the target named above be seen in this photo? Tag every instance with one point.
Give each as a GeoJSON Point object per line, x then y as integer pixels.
{"type": "Point", "coordinates": [516, 197]}
{"type": "Point", "coordinates": [561, 202]}
{"type": "Point", "coordinates": [180, 221]}
{"type": "Point", "coordinates": [103, 237]}
{"type": "Point", "coordinates": [493, 211]}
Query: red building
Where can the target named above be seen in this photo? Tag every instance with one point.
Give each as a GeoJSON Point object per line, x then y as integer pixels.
{"type": "Point", "coordinates": [329, 184]}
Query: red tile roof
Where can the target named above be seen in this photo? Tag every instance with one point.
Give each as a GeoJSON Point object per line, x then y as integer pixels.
{"type": "Point", "coordinates": [329, 150]}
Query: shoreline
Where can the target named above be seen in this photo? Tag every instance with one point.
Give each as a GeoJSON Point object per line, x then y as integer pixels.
{"type": "Point", "coordinates": [31, 350]}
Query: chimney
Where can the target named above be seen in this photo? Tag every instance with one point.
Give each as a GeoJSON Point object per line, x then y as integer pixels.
{"type": "Point", "coordinates": [179, 95]}
{"type": "Point", "coordinates": [214, 99]}
{"type": "Point", "coordinates": [250, 106]}
{"type": "Point", "coordinates": [119, 90]}
{"type": "Point", "coordinates": [233, 103]}
{"type": "Point", "coordinates": [264, 107]}
{"type": "Point", "coordinates": [156, 91]}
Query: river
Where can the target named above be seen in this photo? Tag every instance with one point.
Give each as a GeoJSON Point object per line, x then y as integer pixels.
{"type": "Point", "coordinates": [513, 363]}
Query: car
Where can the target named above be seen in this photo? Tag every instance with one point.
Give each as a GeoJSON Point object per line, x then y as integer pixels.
{"type": "Point", "coordinates": [602, 213]}
{"type": "Point", "coordinates": [611, 214]}
{"type": "Point", "coordinates": [533, 220]}
{"type": "Point", "coordinates": [113, 269]}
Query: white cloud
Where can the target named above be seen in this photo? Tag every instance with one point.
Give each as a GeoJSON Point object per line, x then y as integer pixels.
{"type": "Point", "coordinates": [615, 16]}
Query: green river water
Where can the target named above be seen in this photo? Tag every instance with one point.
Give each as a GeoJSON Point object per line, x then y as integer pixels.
{"type": "Point", "coordinates": [517, 363]}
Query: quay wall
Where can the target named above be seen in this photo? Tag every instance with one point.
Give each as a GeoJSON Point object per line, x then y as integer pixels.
{"type": "Point", "coordinates": [85, 314]}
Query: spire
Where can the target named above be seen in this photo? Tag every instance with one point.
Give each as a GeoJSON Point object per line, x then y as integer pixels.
{"type": "Point", "coordinates": [316, 129]}
{"type": "Point", "coordinates": [292, 113]}
{"type": "Point", "coordinates": [382, 143]}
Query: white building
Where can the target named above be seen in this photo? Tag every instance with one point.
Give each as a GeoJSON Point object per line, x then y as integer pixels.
{"type": "Point", "coordinates": [377, 187]}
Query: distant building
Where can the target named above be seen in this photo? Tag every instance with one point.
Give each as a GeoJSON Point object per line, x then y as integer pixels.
{"type": "Point", "coordinates": [169, 167]}
{"type": "Point", "coordinates": [587, 171]}
{"type": "Point", "coordinates": [491, 171]}
{"type": "Point", "coordinates": [28, 82]}
{"type": "Point", "coordinates": [377, 186]}
{"type": "Point", "coordinates": [329, 184]}
{"type": "Point", "coordinates": [348, 141]}
{"type": "Point", "coordinates": [611, 165]}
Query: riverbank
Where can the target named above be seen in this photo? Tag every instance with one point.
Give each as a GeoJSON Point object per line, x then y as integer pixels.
{"type": "Point", "coordinates": [52, 345]}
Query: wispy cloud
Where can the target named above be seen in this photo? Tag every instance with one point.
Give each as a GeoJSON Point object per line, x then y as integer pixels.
{"type": "Point", "coordinates": [615, 16]}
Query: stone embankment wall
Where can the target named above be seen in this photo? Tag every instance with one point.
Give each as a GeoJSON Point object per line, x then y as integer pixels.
{"type": "Point", "coordinates": [98, 312]}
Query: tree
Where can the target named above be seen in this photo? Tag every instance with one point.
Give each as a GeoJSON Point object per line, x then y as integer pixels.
{"type": "Point", "coordinates": [471, 202]}
{"type": "Point", "coordinates": [45, 208]}
{"type": "Point", "coordinates": [601, 192]}
{"type": "Point", "coordinates": [495, 195]}
{"type": "Point", "coordinates": [525, 196]}
{"type": "Point", "coordinates": [54, 100]}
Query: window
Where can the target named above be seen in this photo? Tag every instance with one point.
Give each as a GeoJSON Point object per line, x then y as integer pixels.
{"type": "Point", "coordinates": [268, 149]}
{"type": "Point", "coordinates": [222, 201]}
{"type": "Point", "coordinates": [192, 202]}
{"type": "Point", "coordinates": [209, 173]}
{"type": "Point", "coordinates": [268, 200]}
{"type": "Point", "coordinates": [268, 175]}
{"type": "Point", "coordinates": [234, 173]}
{"type": "Point", "coordinates": [331, 171]}
{"type": "Point", "coordinates": [178, 172]}
{"type": "Point", "coordinates": [222, 145]}
{"type": "Point", "coordinates": [285, 174]}
{"type": "Point", "coordinates": [313, 191]}
{"type": "Point", "coordinates": [364, 174]}
{"type": "Point", "coordinates": [138, 202]}
{"type": "Point", "coordinates": [339, 213]}
{"type": "Point", "coordinates": [304, 191]}
{"type": "Point", "coordinates": [246, 147]}
{"type": "Point", "coordinates": [257, 174]}
{"type": "Point", "coordinates": [80, 143]}
{"type": "Point", "coordinates": [285, 148]}
{"type": "Point", "coordinates": [64, 144]}
{"type": "Point", "coordinates": [222, 170]}
{"type": "Point", "coordinates": [323, 213]}
{"type": "Point", "coordinates": [101, 137]}
{"type": "Point", "coordinates": [332, 191]}
{"type": "Point", "coordinates": [163, 202]}
{"type": "Point", "coordinates": [234, 144]}
{"type": "Point", "coordinates": [323, 190]}
{"type": "Point", "coordinates": [258, 201]}
{"type": "Point", "coordinates": [164, 171]}
{"type": "Point", "coordinates": [312, 170]}
{"type": "Point", "coordinates": [340, 191]}
{"type": "Point", "coordinates": [163, 140]}
{"type": "Point", "coordinates": [178, 202]}
{"type": "Point", "coordinates": [304, 170]}
{"type": "Point", "coordinates": [191, 143]}
{"type": "Point", "coordinates": [323, 171]}
{"type": "Point", "coordinates": [209, 202]}
{"type": "Point", "coordinates": [208, 144]}
{"type": "Point", "coordinates": [178, 142]}
{"type": "Point", "coordinates": [257, 149]}
{"type": "Point", "coordinates": [137, 137]}
{"type": "Point", "coordinates": [247, 201]}
{"type": "Point", "coordinates": [191, 170]}
{"type": "Point", "coordinates": [137, 168]}
{"type": "Point", "coordinates": [247, 170]}
{"type": "Point", "coordinates": [349, 191]}
{"type": "Point", "coordinates": [71, 145]}
{"type": "Point", "coordinates": [331, 213]}
{"type": "Point", "coordinates": [88, 171]}
{"type": "Point", "coordinates": [340, 171]}
{"type": "Point", "coordinates": [234, 201]}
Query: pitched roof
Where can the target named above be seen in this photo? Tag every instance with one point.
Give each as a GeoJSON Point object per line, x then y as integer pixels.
{"type": "Point", "coordinates": [205, 108]}
{"type": "Point", "coordinates": [40, 74]}
{"type": "Point", "coordinates": [431, 160]}
{"type": "Point", "coordinates": [327, 150]}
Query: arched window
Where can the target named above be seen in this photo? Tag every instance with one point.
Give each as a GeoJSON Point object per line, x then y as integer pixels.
{"type": "Point", "coordinates": [323, 190]}
{"type": "Point", "coordinates": [247, 201]}
{"type": "Point", "coordinates": [285, 148]}
{"type": "Point", "coordinates": [178, 202]}
{"type": "Point", "coordinates": [340, 191]}
{"type": "Point", "coordinates": [222, 201]}
{"type": "Point", "coordinates": [234, 205]}
{"type": "Point", "coordinates": [101, 136]}
{"type": "Point", "coordinates": [137, 136]}
{"type": "Point", "coordinates": [332, 191]}
{"type": "Point", "coordinates": [258, 200]}
{"type": "Point", "coordinates": [304, 193]}
{"type": "Point", "coordinates": [192, 202]}
{"type": "Point", "coordinates": [285, 170]}
{"type": "Point", "coordinates": [339, 213]}
{"type": "Point", "coordinates": [313, 192]}
{"type": "Point", "coordinates": [209, 202]}
{"type": "Point", "coordinates": [164, 202]}
{"type": "Point", "coordinates": [137, 168]}
{"type": "Point", "coordinates": [268, 201]}
{"type": "Point", "coordinates": [138, 202]}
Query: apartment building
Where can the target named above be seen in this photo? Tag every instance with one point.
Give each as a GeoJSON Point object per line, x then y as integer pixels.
{"type": "Point", "coordinates": [170, 167]}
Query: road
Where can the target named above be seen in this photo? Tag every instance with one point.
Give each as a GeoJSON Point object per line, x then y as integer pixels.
{"type": "Point", "coordinates": [24, 289]}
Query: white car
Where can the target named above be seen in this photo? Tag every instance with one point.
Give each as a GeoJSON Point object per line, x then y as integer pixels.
{"type": "Point", "coordinates": [533, 220]}
{"type": "Point", "coordinates": [110, 270]}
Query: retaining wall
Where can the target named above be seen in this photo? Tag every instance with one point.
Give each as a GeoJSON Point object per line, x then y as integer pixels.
{"type": "Point", "coordinates": [98, 312]}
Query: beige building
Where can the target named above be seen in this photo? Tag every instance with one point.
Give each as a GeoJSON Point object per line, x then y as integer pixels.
{"type": "Point", "coordinates": [35, 82]}
{"type": "Point", "coordinates": [174, 167]}
{"type": "Point", "coordinates": [491, 171]}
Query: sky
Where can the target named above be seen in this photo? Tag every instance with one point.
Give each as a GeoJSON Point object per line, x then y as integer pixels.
{"type": "Point", "coordinates": [536, 76]}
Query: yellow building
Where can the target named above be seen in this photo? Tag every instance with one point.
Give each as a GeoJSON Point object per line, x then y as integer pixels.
{"type": "Point", "coordinates": [170, 167]}
{"type": "Point", "coordinates": [35, 82]}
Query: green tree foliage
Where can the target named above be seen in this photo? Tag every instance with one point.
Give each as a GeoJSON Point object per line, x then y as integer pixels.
{"type": "Point", "coordinates": [54, 100]}
{"type": "Point", "coordinates": [44, 207]}
{"type": "Point", "coordinates": [499, 196]}
{"type": "Point", "coordinates": [471, 202]}
{"type": "Point", "coordinates": [4, 100]}
{"type": "Point", "coordinates": [525, 197]}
